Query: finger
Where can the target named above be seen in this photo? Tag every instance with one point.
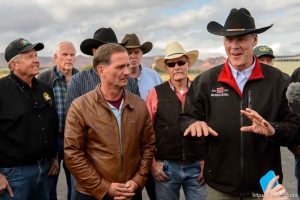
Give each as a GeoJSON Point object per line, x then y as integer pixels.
{"type": "Point", "coordinates": [272, 182]}
{"type": "Point", "coordinates": [164, 176]}
{"type": "Point", "coordinates": [116, 198]}
{"type": "Point", "coordinates": [193, 130]}
{"type": "Point", "coordinates": [187, 131]}
{"type": "Point", "coordinates": [198, 130]}
{"type": "Point", "coordinates": [247, 114]}
{"type": "Point", "coordinates": [122, 189]}
{"type": "Point", "coordinates": [254, 115]}
{"type": "Point", "coordinates": [204, 128]}
{"type": "Point", "coordinates": [246, 129]}
{"type": "Point", "coordinates": [10, 192]}
{"type": "Point", "coordinates": [212, 131]}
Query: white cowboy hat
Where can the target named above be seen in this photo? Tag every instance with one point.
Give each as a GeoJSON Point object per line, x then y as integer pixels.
{"type": "Point", "coordinates": [175, 50]}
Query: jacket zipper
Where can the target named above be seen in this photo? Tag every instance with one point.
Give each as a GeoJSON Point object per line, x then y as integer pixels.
{"type": "Point", "coordinates": [120, 141]}
{"type": "Point", "coordinates": [242, 149]}
{"type": "Point", "coordinates": [242, 136]}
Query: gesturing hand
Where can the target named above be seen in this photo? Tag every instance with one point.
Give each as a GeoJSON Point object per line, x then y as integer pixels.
{"type": "Point", "coordinates": [259, 124]}
{"type": "Point", "coordinates": [199, 128]}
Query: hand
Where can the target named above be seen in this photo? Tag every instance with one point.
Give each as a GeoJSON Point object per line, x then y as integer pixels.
{"type": "Point", "coordinates": [199, 128]}
{"type": "Point", "coordinates": [276, 193]}
{"type": "Point", "coordinates": [54, 168]}
{"type": "Point", "coordinates": [157, 171]}
{"type": "Point", "coordinates": [201, 177]}
{"type": "Point", "coordinates": [122, 190]}
{"type": "Point", "coordinates": [4, 185]}
{"type": "Point", "coordinates": [259, 125]}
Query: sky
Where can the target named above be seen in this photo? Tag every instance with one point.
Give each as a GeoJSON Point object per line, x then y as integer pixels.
{"type": "Point", "coordinates": [157, 21]}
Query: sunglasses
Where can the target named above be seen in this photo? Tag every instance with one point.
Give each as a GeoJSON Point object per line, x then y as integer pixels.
{"type": "Point", "coordinates": [179, 63]}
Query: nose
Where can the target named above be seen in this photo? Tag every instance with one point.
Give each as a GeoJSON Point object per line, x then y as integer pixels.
{"type": "Point", "coordinates": [36, 59]}
{"type": "Point", "coordinates": [235, 43]}
{"type": "Point", "coordinates": [127, 71]}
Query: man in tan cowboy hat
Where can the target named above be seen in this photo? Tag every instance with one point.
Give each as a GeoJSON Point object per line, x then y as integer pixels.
{"type": "Point", "coordinates": [241, 109]}
{"type": "Point", "coordinates": [147, 78]}
{"type": "Point", "coordinates": [177, 159]}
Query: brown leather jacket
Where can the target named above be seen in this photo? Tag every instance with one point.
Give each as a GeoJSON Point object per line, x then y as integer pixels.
{"type": "Point", "coordinates": [93, 151]}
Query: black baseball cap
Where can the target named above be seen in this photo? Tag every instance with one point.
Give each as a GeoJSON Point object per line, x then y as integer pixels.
{"type": "Point", "coordinates": [20, 45]}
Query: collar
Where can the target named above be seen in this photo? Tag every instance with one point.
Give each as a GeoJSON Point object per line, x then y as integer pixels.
{"type": "Point", "coordinates": [22, 83]}
{"type": "Point", "coordinates": [247, 71]}
{"type": "Point", "coordinates": [226, 76]}
{"type": "Point", "coordinates": [127, 101]}
{"type": "Point", "coordinates": [58, 73]}
{"type": "Point", "coordinates": [189, 82]}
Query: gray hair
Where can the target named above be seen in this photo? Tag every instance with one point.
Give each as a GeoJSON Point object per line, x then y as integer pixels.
{"type": "Point", "coordinates": [293, 92]}
{"type": "Point", "coordinates": [63, 42]}
{"type": "Point", "coordinates": [13, 59]}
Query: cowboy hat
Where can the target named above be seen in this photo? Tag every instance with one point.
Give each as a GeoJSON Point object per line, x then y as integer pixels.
{"type": "Point", "coordinates": [175, 50]}
{"type": "Point", "coordinates": [134, 42]}
{"type": "Point", "coordinates": [101, 36]}
{"type": "Point", "coordinates": [239, 22]}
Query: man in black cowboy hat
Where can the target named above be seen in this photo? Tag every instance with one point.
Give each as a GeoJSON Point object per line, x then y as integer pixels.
{"type": "Point", "coordinates": [86, 81]}
{"type": "Point", "coordinates": [241, 109]}
{"type": "Point", "coordinates": [147, 78]}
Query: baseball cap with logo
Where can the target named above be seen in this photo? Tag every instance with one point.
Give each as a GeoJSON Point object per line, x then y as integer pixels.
{"type": "Point", "coordinates": [263, 51]}
{"type": "Point", "coordinates": [19, 46]}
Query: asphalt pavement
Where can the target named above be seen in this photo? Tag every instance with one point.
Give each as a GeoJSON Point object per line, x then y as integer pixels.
{"type": "Point", "coordinates": [289, 180]}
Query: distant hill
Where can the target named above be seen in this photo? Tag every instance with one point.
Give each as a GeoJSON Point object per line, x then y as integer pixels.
{"type": "Point", "coordinates": [83, 61]}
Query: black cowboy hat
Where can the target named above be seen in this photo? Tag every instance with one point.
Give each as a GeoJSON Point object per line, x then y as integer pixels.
{"type": "Point", "coordinates": [239, 22]}
{"type": "Point", "coordinates": [132, 41]}
{"type": "Point", "coordinates": [101, 36]}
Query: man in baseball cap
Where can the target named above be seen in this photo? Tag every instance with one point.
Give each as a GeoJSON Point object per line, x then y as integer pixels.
{"type": "Point", "coordinates": [28, 125]}
{"type": "Point", "coordinates": [264, 54]}
{"type": "Point", "coordinates": [19, 46]}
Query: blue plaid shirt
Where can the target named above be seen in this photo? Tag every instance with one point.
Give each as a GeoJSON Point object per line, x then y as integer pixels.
{"type": "Point", "coordinates": [60, 95]}
{"type": "Point", "coordinates": [86, 81]}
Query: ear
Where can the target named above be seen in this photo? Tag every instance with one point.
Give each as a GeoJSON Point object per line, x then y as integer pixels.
{"type": "Point", "coordinates": [100, 70]}
{"type": "Point", "coordinates": [255, 40]}
{"type": "Point", "coordinates": [54, 57]}
{"type": "Point", "coordinates": [12, 65]}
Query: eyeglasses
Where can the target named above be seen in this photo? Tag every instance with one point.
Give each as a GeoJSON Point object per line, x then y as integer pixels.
{"type": "Point", "coordinates": [179, 63]}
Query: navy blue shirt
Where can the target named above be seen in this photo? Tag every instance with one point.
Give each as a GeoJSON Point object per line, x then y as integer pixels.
{"type": "Point", "coordinates": [28, 122]}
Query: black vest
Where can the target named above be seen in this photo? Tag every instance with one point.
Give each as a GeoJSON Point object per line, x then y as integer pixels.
{"type": "Point", "coordinates": [170, 143]}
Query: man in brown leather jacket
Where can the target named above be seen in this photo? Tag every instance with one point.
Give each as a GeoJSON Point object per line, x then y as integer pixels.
{"type": "Point", "coordinates": [109, 139]}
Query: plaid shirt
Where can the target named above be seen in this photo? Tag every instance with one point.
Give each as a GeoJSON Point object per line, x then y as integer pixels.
{"type": "Point", "coordinates": [60, 95]}
{"type": "Point", "coordinates": [86, 81]}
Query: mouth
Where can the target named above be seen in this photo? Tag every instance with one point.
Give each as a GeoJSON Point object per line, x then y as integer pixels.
{"type": "Point", "coordinates": [236, 54]}
{"type": "Point", "coordinates": [177, 73]}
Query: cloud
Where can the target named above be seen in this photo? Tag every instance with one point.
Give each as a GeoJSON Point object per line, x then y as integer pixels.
{"type": "Point", "coordinates": [157, 21]}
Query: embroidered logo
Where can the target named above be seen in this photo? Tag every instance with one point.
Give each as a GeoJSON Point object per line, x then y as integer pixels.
{"type": "Point", "coordinates": [219, 92]}
{"type": "Point", "coordinates": [24, 42]}
{"type": "Point", "coordinates": [46, 96]}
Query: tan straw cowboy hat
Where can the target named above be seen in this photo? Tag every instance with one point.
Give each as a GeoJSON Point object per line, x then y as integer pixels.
{"type": "Point", "coordinates": [175, 50]}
